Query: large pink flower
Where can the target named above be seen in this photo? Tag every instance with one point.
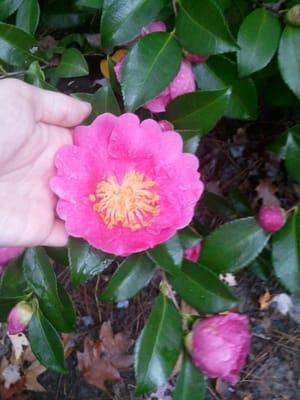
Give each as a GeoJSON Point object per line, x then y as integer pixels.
{"type": "Point", "coordinates": [184, 82]}
{"type": "Point", "coordinates": [117, 188]}
{"type": "Point", "coordinates": [220, 346]}
{"type": "Point", "coordinates": [7, 254]}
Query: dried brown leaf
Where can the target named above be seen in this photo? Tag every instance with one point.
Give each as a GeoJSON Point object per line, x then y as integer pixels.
{"type": "Point", "coordinates": [266, 192]}
{"type": "Point", "coordinates": [265, 300]}
{"type": "Point", "coordinates": [31, 375]}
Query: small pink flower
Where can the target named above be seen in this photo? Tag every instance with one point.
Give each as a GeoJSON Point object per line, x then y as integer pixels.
{"type": "Point", "coordinates": [19, 318]}
{"type": "Point", "coordinates": [271, 219]}
{"type": "Point", "coordinates": [119, 191]}
{"type": "Point", "coordinates": [184, 82]}
{"type": "Point", "coordinates": [193, 253]}
{"type": "Point", "coordinates": [196, 58]}
{"type": "Point", "coordinates": [7, 254]}
{"type": "Point", "coordinates": [156, 26]}
{"type": "Point", "coordinates": [220, 346]}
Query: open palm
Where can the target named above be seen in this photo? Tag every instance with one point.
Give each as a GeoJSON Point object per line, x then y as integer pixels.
{"type": "Point", "coordinates": [34, 124]}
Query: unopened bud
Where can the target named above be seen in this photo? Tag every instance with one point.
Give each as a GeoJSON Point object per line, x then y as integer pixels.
{"type": "Point", "coordinates": [271, 219]}
{"type": "Point", "coordinates": [19, 318]}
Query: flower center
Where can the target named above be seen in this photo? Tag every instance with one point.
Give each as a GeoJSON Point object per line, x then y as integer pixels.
{"type": "Point", "coordinates": [133, 203]}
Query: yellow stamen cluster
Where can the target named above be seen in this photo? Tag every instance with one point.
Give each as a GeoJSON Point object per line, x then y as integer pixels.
{"type": "Point", "coordinates": [133, 204]}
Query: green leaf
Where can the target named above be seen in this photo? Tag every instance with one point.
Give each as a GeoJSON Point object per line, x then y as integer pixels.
{"type": "Point", "coordinates": [115, 84]}
{"type": "Point", "coordinates": [45, 343]}
{"type": "Point", "coordinates": [58, 254]}
{"type": "Point", "coordinates": [102, 101]}
{"type": "Point", "coordinates": [96, 4]}
{"type": "Point", "coordinates": [288, 58]}
{"type": "Point", "coordinates": [158, 347]}
{"type": "Point", "coordinates": [41, 278]}
{"type": "Point", "coordinates": [257, 45]}
{"type": "Point", "coordinates": [219, 73]}
{"type": "Point", "coordinates": [72, 64]}
{"type": "Point", "coordinates": [8, 7]}
{"type": "Point", "coordinates": [286, 254]}
{"type": "Point", "coordinates": [168, 255]}
{"type": "Point", "coordinates": [240, 202]}
{"type": "Point", "coordinates": [133, 274]}
{"type": "Point", "coordinates": [191, 384]}
{"type": "Point", "coordinates": [122, 20]}
{"type": "Point", "coordinates": [233, 245]}
{"type": "Point", "coordinates": [202, 28]}
{"type": "Point", "coordinates": [85, 261]}
{"type": "Point", "coordinates": [149, 67]}
{"type": "Point", "coordinates": [292, 157]}
{"type": "Point", "coordinates": [202, 289]}
{"type": "Point", "coordinates": [197, 113]}
{"type": "Point", "coordinates": [13, 283]}
{"type": "Point", "coordinates": [6, 305]}
{"type": "Point", "coordinates": [17, 47]}
{"type": "Point", "coordinates": [28, 16]}
{"type": "Point", "coordinates": [218, 204]}
{"type": "Point", "coordinates": [35, 76]}
{"type": "Point", "coordinates": [262, 265]}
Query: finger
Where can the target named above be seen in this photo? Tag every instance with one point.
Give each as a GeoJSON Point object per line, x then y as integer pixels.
{"type": "Point", "coordinates": [59, 109]}
{"type": "Point", "coordinates": [58, 235]}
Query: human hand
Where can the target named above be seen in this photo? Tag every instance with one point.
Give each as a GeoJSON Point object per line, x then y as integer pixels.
{"type": "Point", "coordinates": [34, 124]}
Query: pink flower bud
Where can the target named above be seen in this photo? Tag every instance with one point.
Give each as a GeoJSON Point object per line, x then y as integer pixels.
{"type": "Point", "coordinates": [293, 15]}
{"type": "Point", "coordinates": [166, 125]}
{"type": "Point", "coordinates": [19, 318]}
{"type": "Point", "coordinates": [196, 58]}
{"type": "Point", "coordinates": [7, 254]}
{"type": "Point", "coordinates": [156, 26]}
{"type": "Point", "coordinates": [271, 219]}
{"type": "Point", "coordinates": [220, 346]}
{"type": "Point", "coordinates": [193, 253]}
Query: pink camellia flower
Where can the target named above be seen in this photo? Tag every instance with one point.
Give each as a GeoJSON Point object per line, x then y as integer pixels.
{"type": "Point", "coordinates": [184, 82]}
{"type": "Point", "coordinates": [271, 219]}
{"type": "Point", "coordinates": [196, 58]}
{"type": "Point", "coordinates": [220, 346]}
{"type": "Point", "coordinates": [193, 253]}
{"type": "Point", "coordinates": [156, 26]}
{"type": "Point", "coordinates": [19, 318]}
{"type": "Point", "coordinates": [119, 191]}
{"type": "Point", "coordinates": [7, 254]}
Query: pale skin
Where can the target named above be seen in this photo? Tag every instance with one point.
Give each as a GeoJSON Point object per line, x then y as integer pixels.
{"type": "Point", "coordinates": [34, 124]}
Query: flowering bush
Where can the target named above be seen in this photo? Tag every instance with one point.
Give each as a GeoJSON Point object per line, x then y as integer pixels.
{"type": "Point", "coordinates": [128, 187]}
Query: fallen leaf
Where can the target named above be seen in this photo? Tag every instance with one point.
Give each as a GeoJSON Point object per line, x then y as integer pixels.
{"type": "Point", "coordinates": [31, 375]}
{"type": "Point", "coordinates": [266, 192]}
{"type": "Point", "coordinates": [68, 343]}
{"type": "Point", "coordinates": [100, 361]}
{"type": "Point", "coordinates": [283, 303]}
{"type": "Point", "coordinates": [265, 300]}
{"type": "Point", "coordinates": [18, 342]}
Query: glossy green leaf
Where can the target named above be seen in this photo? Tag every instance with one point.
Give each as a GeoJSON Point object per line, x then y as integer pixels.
{"type": "Point", "coordinates": [17, 47]}
{"type": "Point", "coordinates": [41, 278]}
{"type": "Point", "coordinates": [28, 16]}
{"type": "Point", "coordinates": [286, 254]}
{"type": "Point", "coordinates": [8, 7]}
{"type": "Point", "coordinates": [257, 45]}
{"type": "Point", "coordinates": [13, 283]}
{"type": "Point", "coordinates": [45, 343]}
{"type": "Point", "coordinates": [191, 384]}
{"type": "Point", "coordinates": [218, 73]}
{"type": "Point", "coordinates": [115, 84]}
{"type": "Point", "coordinates": [149, 67]}
{"type": "Point", "coordinates": [218, 204]}
{"type": "Point", "coordinates": [133, 274]}
{"type": "Point", "coordinates": [102, 101]}
{"type": "Point", "coordinates": [262, 265]}
{"type": "Point", "coordinates": [35, 76]}
{"type": "Point", "coordinates": [168, 255]}
{"type": "Point", "coordinates": [240, 202]}
{"type": "Point", "coordinates": [197, 113]}
{"type": "Point", "coordinates": [57, 14]}
{"type": "Point", "coordinates": [288, 58]}
{"type": "Point", "coordinates": [233, 245]}
{"type": "Point", "coordinates": [96, 4]}
{"type": "Point", "coordinates": [58, 254]}
{"type": "Point", "coordinates": [122, 20]}
{"type": "Point", "coordinates": [72, 64]}
{"type": "Point", "coordinates": [202, 28]}
{"type": "Point", "coordinates": [85, 261]}
{"type": "Point", "coordinates": [158, 346]}
{"type": "Point", "coordinates": [202, 289]}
